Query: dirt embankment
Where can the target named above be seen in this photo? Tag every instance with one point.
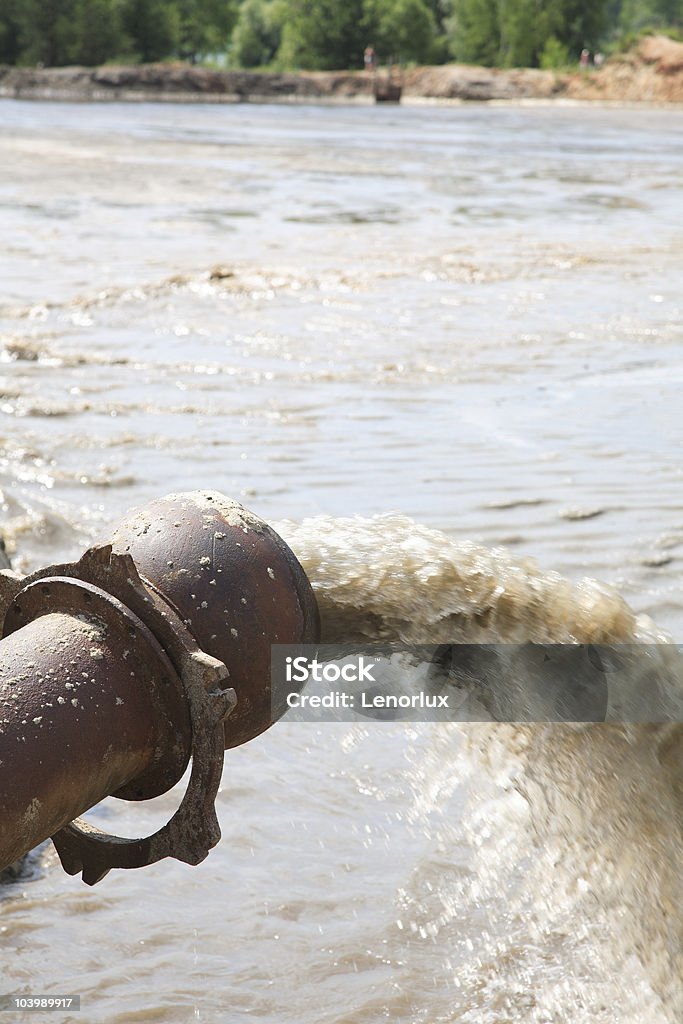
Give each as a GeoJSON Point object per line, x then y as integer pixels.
{"type": "Point", "coordinates": [181, 83]}
{"type": "Point", "coordinates": [652, 72]}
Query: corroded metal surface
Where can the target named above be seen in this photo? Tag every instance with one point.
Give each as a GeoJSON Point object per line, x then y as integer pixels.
{"type": "Point", "coordinates": [186, 709]}
{"type": "Point", "coordinates": [117, 577]}
{"type": "Point", "coordinates": [234, 583]}
{"type": "Point", "coordinates": [136, 665]}
{"type": "Point", "coordinates": [110, 680]}
{"type": "Point", "coordinates": [78, 720]}
{"type": "Point", "coordinates": [193, 830]}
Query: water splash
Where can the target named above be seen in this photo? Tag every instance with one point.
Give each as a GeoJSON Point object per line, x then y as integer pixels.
{"type": "Point", "coordinates": [389, 578]}
{"type": "Point", "coordinates": [577, 829]}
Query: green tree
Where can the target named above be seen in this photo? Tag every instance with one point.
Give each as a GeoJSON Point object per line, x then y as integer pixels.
{"type": "Point", "coordinates": [670, 12]}
{"type": "Point", "coordinates": [583, 23]}
{"type": "Point", "coordinates": [518, 33]}
{"type": "Point", "coordinates": [10, 31]}
{"type": "Point", "coordinates": [402, 29]}
{"type": "Point", "coordinates": [258, 33]}
{"type": "Point", "coordinates": [322, 34]}
{"type": "Point", "coordinates": [98, 35]}
{"type": "Point", "coordinates": [204, 26]}
{"type": "Point", "coordinates": [632, 16]}
{"type": "Point", "coordinates": [153, 27]}
{"type": "Point", "coordinates": [554, 55]}
{"type": "Point", "coordinates": [47, 31]}
{"type": "Point", "coordinates": [474, 32]}
{"type": "Point", "coordinates": [514, 33]}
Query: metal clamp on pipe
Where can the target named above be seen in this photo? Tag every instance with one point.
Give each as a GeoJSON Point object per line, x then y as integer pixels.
{"type": "Point", "coordinates": [116, 669]}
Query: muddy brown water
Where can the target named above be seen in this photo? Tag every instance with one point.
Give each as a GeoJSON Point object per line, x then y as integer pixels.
{"type": "Point", "coordinates": [442, 349]}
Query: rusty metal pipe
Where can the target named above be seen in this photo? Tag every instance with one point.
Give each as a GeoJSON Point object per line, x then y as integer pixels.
{"type": "Point", "coordinates": [111, 678]}
{"type": "Point", "coordinates": [81, 716]}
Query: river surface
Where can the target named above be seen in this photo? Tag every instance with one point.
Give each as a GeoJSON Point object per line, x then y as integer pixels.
{"type": "Point", "coordinates": [441, 347]}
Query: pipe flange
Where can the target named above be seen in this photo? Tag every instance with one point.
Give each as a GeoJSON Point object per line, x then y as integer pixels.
{"type": "Point", "coordinates": [193, 830]}
{"type": "Point", "coordinates": [117, 575]}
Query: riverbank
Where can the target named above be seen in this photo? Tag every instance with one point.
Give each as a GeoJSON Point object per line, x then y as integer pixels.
{"type": "Point", "coordinates": [652, 72]}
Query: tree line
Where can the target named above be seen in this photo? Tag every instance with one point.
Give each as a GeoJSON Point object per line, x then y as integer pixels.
{"type": "Point", "coordinates": [323, 34]}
